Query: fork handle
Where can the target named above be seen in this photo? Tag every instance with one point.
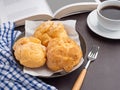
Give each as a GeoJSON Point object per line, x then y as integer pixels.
{"type": "Point", "coordinates": [79, 80]}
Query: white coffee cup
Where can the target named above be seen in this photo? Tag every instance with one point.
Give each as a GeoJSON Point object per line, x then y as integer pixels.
{"type": "Point", "coordinates": [108, 23]}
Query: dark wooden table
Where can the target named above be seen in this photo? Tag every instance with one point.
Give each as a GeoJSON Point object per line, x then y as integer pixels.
{"type": "Point", "coordinates": [104, 73]}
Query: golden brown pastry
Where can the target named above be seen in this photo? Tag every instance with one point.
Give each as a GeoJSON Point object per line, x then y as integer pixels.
{"type": "Point", "coordinates": [29, 52]}
{"type": "Point", "coordinates": [49, 30]}
{"type": "Point", "coordinates": [25, 40]}
{"type": "Point", "coordinates": [31, 55]}
{"type": "Point", "coordinates": [63, 54]}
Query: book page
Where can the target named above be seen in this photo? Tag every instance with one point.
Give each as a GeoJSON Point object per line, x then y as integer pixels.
{"type": "Point", "coordinates": [57, 4]}
{"type": "Point", "coordinates": [15, 10]}
{"type": "Point", "coordinates": [75, 9]}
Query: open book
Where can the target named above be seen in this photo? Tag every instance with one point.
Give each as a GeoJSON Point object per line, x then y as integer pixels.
{"type": "Point", "coordinates": [21, 10]}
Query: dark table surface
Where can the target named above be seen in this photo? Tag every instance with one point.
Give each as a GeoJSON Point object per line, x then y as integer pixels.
{"type": "Point", "coordinates": [102, 74]}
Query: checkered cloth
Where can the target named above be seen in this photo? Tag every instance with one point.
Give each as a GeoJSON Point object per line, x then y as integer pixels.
{"type": "Point", "coordinates": [11, 77]}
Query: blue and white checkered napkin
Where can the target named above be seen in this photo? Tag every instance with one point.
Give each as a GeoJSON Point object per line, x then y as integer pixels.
{"type": "Point", "coordinates": [11, 77]}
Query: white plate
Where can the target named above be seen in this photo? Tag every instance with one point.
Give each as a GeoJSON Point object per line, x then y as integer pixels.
{"type": "Point", "coordinates": [93, 24]}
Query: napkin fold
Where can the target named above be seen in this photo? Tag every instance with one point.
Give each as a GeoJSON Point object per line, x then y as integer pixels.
{"type": "Point", "coordinates": [12, 77]}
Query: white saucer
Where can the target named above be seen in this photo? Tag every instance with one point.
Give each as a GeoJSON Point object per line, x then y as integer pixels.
{"type": "Point", "coordinates": [98, 29]}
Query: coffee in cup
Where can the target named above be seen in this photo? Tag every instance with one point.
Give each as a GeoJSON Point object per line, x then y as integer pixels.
{"type": "Point", "coordinates": [108, 14]}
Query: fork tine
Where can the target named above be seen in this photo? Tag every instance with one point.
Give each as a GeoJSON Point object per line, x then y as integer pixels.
{"type": "Point", "coordinates": [93, 53]}
{"type": "Point", "coordinates": [96, 55]}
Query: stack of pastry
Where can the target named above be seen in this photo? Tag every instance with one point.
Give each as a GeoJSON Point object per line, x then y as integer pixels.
{"type": "Point", "coordinates": [49, 45]}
